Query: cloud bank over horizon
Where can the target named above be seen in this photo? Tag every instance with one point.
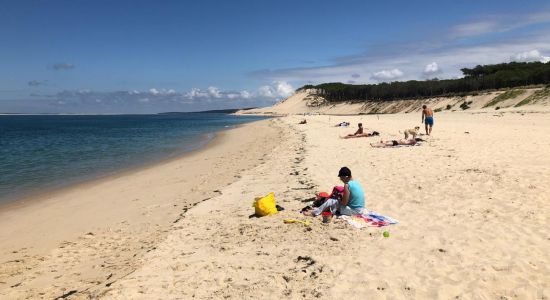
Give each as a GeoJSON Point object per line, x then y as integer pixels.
{"type": "Point", "coordinates": [154, 100]}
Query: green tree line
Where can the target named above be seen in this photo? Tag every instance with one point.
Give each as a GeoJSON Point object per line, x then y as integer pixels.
{"type": "Point", "coordinates": [480, 78]}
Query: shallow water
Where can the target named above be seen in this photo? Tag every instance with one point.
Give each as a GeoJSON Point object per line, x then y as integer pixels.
{"type": "Point", "coordinates": [44, 152]}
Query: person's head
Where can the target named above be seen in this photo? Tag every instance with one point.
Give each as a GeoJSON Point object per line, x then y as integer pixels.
{"type": "Point", "coordinates": [344, 174]}
{"type": "Point", "coordinates": [424, 106]}
{"type": "Point", "coordinates": [360, 125]}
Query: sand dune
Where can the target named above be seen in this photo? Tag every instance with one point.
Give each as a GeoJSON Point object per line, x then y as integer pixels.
{"type": "Point", "coordinates": [308, 102]}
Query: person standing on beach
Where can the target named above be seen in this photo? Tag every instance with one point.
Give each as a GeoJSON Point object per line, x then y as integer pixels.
{"type": "Point", "coordinates": [353, 200]}
{"type": "Point", "coordinates": [428, 119]}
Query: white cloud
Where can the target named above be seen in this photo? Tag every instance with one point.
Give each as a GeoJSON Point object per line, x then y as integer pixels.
{"type": "Point", "coordinates": [283, 89]}
{"type": "Point", "coordinates": [387, 74]}
{"type": "Point", "coordinates": [211, 92]}
{"type": "Point", "coordinates": [474, 28]}
{"type": "Point", "coordinates": [214, 92]}
{"type": "Point", "coordinates": [498, 23]}
{"type": "Point", "coordinates": [155, 92]}
{"type": "Point", "coordinates": [277, 89]}
{"type": "Point", "coordinates": [450, 52]}
{"type": "Point", "coordinates": [84, 91]}
{"type": "Point", "coordinates": [527, 56]}
{"type": "Point", "coordinates": [196, 93]}
{"type": "Point", "coordinates": [245, 95]}
{"type": "Point", "coordinates": [266, 91]}
{"type": "Point", "coordinates": [161, 100]}
{"type": "Point", "coordinates": [233, 95]}
{"type": "Point", "coordinates": [431, 68]}
{"type": "Point", "coordinates": [412, 62]}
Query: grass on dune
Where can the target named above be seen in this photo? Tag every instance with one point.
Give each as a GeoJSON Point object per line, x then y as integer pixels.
{"type": "Point", "coordinates": [544, 93]}
{"type": "Point", "coordinates": [504, 96]}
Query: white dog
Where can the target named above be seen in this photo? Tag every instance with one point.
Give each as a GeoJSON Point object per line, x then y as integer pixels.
{"type": "Point", "coordinates": [413, 132]}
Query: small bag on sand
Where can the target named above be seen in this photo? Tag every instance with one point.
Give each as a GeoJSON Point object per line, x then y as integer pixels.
{"type": "Point", "coordinates": [265, 206]}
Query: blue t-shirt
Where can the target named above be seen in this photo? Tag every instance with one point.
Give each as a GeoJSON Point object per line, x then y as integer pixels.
{"type": "Point", "coordinates": [357, 195]}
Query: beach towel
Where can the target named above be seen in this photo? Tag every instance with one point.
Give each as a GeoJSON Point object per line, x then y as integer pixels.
{"type": "Point", "coordinates": [370, 219]}
{"type": "Point", "coordinates": [402, 146]}
{"type": "Point", "coordinates": [354, 221]}
{"type": "Point", "coordinates": [380, 218]}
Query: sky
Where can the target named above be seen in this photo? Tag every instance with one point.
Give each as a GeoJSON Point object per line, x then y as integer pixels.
{"type": "Point", "coordinates": [79, 56]}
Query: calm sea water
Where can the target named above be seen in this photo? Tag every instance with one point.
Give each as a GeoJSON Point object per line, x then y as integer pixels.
{"type": "Point", "coordinates": [43, 152]}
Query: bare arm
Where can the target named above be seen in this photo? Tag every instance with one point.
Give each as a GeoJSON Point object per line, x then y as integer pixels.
{"type": "Point", "coordinates": [423, 114]}
{"type": "Point", "coordinates": [345, 198]}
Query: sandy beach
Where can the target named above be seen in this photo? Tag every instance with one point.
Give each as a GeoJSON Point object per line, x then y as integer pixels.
{"type": "Point", "coordinates": [472, 202]}
{"type": "Point", "coordinates": [87, 236]}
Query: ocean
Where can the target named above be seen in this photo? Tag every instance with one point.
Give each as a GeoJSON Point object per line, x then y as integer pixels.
{"type": "Point", "coordinates": [45, 152]}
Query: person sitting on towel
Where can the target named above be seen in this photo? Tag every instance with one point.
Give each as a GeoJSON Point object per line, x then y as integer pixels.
{"type": "Point", "coordinates": [353, 200]}
{"type": "Point", "coordinates": [359, 130]}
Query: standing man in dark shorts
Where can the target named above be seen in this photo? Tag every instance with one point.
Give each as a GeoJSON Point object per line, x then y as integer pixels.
{"type": "Point", "coordinates": [428, 119]}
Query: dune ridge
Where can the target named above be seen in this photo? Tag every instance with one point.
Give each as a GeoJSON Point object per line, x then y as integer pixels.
{"type": "Point", "coordinates": [308, 101]}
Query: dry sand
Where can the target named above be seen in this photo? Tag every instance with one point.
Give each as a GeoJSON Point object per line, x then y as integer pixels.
{"type": "Point", "coordinates": [472, 203]}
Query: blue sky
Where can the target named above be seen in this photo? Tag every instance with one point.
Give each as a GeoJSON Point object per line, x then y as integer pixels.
{"type": "Point", "coordinates": [152, 56]}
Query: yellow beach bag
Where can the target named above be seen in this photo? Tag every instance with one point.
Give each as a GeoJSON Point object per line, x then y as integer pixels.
{"type": "Point", "coordinates": [265, 206]}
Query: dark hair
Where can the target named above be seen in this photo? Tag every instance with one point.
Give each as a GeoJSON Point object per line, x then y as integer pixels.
{"type": "Point", "coordinates": [424, 106]}
{"type": "Point", "coordinates": [344, 172]}
{"type": "Point", "coordinates": [360, 124]}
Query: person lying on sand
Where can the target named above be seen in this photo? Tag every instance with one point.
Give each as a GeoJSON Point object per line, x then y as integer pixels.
{"type": "Point", "coordinates": [304, 121]}
{"type": "Point", "coordinates": [374, 133]}
{"type": "Point", "coordinates": [353, 200]}
{"type": "Point", "coordinates": [394, 143]}
{"type": "Point", "coordinates": [359, 130]}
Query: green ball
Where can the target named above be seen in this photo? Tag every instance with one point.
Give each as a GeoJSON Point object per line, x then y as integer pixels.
{"type": "Point", "coordinates": [386, 234]}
